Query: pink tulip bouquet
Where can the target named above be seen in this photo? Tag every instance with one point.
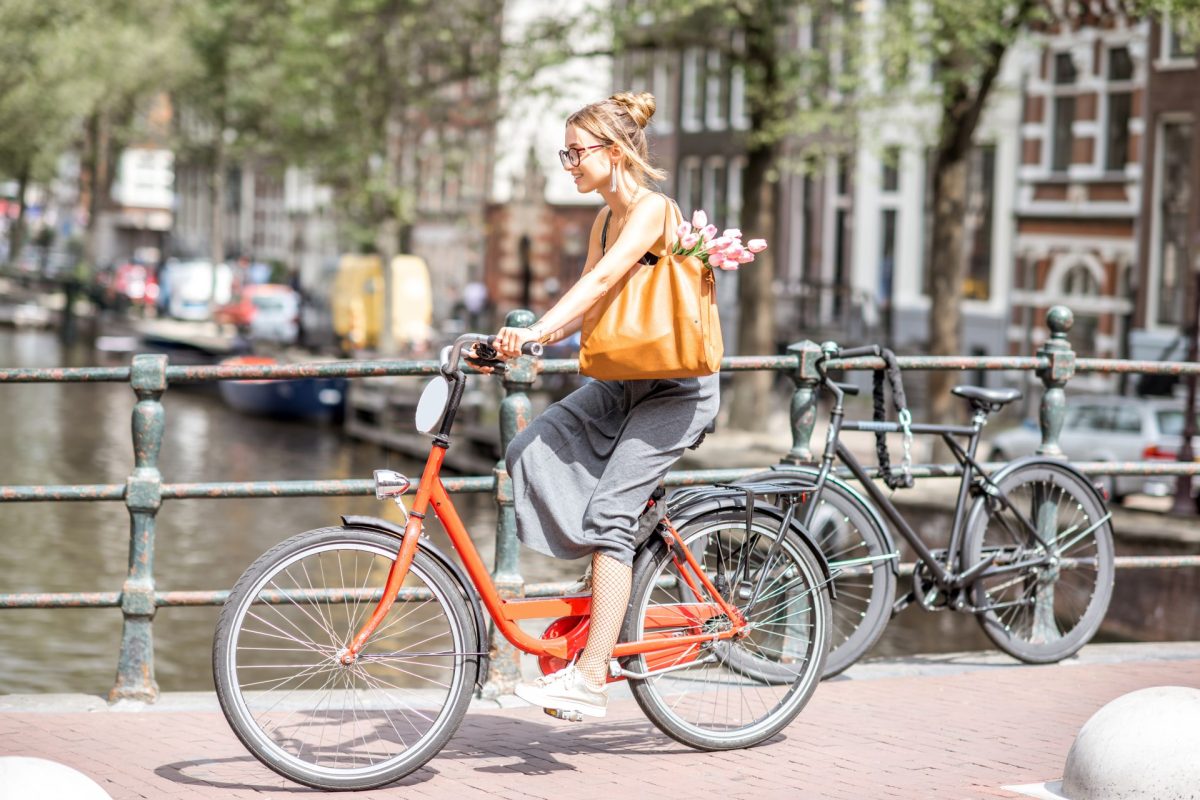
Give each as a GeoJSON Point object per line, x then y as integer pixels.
{"type": "Point", "coordinates": [699, 238]}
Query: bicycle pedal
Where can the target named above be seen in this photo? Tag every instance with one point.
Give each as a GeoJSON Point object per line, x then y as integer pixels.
{"type": "Point", "coordinates": [569, 716]}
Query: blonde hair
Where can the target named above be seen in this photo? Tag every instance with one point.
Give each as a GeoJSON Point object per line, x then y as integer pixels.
{"type": "Point", "coordinates": [621, 120]}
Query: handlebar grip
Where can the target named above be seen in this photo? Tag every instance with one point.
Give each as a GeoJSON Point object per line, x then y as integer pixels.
{"type": "Point", "coordinates": [856, 352]}
{"type": "Point", "coordinates": [529, 348]}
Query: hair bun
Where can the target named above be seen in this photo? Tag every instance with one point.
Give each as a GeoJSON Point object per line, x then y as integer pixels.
{"type": "Point", "coordinates": [640, 106]}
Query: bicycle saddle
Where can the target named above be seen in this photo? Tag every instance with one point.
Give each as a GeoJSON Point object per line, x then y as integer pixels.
{"type": "Point", "coordinates": [986, 397]}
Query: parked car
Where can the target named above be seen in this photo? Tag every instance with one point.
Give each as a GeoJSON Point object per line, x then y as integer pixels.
{"type": "Point", "coordinates": [131, 283]}
{"type": "Point", "coordinates": [266, 311]}
{"type": "Point", "coordinates": [1110, 428]}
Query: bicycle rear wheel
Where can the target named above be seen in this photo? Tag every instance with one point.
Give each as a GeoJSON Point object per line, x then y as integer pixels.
{"type": "Point", "coordinates": [711, 703]}
{"type": "Point", "coordinates": [303, 713]}
{"type": "Point", "coordinates": [861, 557]}
{"type": "Point", "coordinates": [1043, 613]}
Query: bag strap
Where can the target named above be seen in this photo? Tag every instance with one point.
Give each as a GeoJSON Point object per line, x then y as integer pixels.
{"type": "Point", "coordinates": [604, 233]}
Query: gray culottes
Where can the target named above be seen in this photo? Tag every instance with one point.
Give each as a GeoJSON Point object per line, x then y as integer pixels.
{"type": "Point", "coordinates": [583, 470]}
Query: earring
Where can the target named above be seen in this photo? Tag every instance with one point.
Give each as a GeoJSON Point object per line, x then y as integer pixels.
{"type": "Point", "coordinates": [612, 183]}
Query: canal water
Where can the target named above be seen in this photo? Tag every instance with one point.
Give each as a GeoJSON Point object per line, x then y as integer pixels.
{"type": "Point", "coordinates": [80, 434]}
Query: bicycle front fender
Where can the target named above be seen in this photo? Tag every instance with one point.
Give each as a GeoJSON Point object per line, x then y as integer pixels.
{"type": "Point", "coordinates": [452, 566]}
{"type": "Point", "coordinates": [1063, 464]}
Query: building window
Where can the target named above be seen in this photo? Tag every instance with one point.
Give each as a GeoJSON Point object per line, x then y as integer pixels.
{"type": "Point", "coordinates": [735, 202]}
{"type": "Point", "coordinates": [637, 71]}
{"type": "Point", "coordinates": [1172, 207]}
{"type": "Point", "coordinates": [716, 93]}
{"type": "Point", "coordinates": [738, 118]}
{"type": "Point", "coordinates": [1175, 44]}
{"type": "Point", "coordinates": [693, 89]}
{"type": "Point", "coordinates": [890, 180]}
{"type": "Point", "coordinates": [691, 186]}
{"type": "Point", "coordinates": [1064, 112]}
{"type": "Point", "coordinates": [1120, 109]}
{"type": "Point", "coordinates": [981, 191]}
{"type": "Point", "coordinates": [887, 257]}
{"type": "Point", "coordinates": [664, 92]}
{"type": "Point", "coordinates": [715, 189]}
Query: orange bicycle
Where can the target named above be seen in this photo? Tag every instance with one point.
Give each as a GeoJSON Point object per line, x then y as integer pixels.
{"type": "Point", "coordinates": [346, 657]}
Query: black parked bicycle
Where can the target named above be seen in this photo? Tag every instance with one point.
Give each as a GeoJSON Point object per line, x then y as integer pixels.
{"type": "Point", "coordinates": [1030, 551]}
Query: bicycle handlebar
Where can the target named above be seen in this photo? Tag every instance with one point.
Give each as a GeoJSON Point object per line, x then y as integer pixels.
{"type": "Point", "coordinates": [450, 359]}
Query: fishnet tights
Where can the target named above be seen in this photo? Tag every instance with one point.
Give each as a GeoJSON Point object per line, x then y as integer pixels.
{"type": "Point", "coordinates": [611, 582]}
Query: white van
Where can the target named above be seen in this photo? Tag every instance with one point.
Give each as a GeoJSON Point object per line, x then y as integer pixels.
{"type": "Point", "coordinates": [189, 288]}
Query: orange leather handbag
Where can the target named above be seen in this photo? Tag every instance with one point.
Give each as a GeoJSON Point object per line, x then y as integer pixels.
{"type": "Point", "coordinates": [659, 321]}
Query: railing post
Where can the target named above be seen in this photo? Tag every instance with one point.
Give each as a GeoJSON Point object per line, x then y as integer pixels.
{"type": "Point", "coordinates": [143, 496]}
{"type": "Point", "coordinates": [1059, 369]}
{"type": "Point", "coordinates": [515, 412]}
{"type": "Point", "coordinates": [804, 401]}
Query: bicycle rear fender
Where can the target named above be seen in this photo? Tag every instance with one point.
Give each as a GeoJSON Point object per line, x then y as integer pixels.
{"type": "Point", "coordinates": [1058, 462]}
{"type": "Point", "coordinates": [452, 566]}
{"type": "Point", "coordinates": [702, 500]}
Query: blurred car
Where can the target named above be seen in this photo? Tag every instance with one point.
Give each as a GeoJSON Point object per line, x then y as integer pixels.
{"type": "Point", "coordinates": [265, 311]}
{"type": "Point", "coordinates": [1111, 428]}
{"type": "Point", "coordinates": [131, 284]}
{"type": "Point", "coordinates": [188, 287]}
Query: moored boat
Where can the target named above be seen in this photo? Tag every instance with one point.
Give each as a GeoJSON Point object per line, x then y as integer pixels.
{"type": "Point", "coordinates": [297, 398]}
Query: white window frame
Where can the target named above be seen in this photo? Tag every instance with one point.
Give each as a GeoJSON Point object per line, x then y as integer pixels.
{"type": "Point", "coordinates": [1154, 282]}
{"type": "Point", "coordinates": [734, 170]}
{"type": "Point", "coordinates": [1165, 60]}
{"type": "Point", "coordinates": [684, 190]}
{"type": "Point", "coordinates": [1054, 91]}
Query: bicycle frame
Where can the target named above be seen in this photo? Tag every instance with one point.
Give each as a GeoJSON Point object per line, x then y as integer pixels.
{"type": "Point", "coordinates": [947, 574]}
{"type": "Point", "coordinates": [508, 612]}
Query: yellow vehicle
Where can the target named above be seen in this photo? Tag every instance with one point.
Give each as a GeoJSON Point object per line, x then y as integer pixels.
{"type": "Point", "coordinates": [357, 302]}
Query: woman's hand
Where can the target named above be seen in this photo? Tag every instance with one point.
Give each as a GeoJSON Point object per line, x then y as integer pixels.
{"type": "Point", "coordinates": [509, 340]}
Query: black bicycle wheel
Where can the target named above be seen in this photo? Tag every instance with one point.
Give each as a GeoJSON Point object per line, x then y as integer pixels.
{"type": "Point", "coordinates": [1043, 613]}
{"type": "Point", "coordinates": [861, 558]}
{"type": "Point", "coordinates": [708, 704]}
{"type": "Point", "coordinates": [292, 702]}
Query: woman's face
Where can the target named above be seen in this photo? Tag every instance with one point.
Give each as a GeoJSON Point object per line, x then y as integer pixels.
{"type": "Point", "coordinates": [595, 162]}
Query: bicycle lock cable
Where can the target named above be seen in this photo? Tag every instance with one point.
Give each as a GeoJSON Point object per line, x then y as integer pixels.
{"type": "Point", "coordinates": [896, 382]}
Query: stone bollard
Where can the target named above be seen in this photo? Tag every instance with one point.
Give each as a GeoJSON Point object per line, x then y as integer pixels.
{"type": "Point", "coordinates": [1144, 745]}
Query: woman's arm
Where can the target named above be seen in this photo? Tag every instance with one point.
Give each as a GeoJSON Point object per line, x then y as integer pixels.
{"type": "Point", "coordinates": [641, 231]}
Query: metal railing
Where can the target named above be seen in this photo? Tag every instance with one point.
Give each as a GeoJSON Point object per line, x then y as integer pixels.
{"type": "Point", "coordinates": [144, 490]}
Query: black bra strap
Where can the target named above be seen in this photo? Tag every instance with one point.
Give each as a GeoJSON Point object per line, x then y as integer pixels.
{"type": "Point", "coordinates": [604, 233]}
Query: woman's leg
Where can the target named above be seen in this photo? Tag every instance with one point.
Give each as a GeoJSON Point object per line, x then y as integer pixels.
{"type": "Point", "coordinates": [611, 582]}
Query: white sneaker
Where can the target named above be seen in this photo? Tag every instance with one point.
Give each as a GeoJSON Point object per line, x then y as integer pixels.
{"type": "Point", "coordinates": [565, 690]}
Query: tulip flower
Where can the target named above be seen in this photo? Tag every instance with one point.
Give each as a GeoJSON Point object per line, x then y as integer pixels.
{"type": "Point", "coordinates": [716, 259]}
{"type": "Point", "coordinates": [720, 243]}
{"type": "Point", "coordinates": [745, 257]}
{"type": "Point", "coordinates": [732, 233]}
{"type": "Point", "coordinates": [756, 245]}
{"type": "Point", "coordinates": [689, 241]}
{"type": "Point", "coordinates": [729, 265]}
{"type": "Point", "coordinates": [683, 230]}
{"type": "Point", "coordinates": [708, 232]}
{"type": "Point", "coordinates": [699, 219]}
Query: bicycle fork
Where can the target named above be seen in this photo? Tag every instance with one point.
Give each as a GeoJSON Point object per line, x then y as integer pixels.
{"type": "Point", "coordinates": [408, 551]}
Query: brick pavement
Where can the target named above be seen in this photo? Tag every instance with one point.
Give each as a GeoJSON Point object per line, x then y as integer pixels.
{"type": "Point", "coordinates": [943, 736]}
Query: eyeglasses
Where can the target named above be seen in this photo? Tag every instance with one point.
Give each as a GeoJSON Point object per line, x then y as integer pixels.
{"type": "Point", "coordinates": [570, 157]}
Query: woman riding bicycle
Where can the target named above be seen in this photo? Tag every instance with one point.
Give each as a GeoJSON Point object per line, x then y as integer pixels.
{"type": "Point", "coordinates": [583, 470]}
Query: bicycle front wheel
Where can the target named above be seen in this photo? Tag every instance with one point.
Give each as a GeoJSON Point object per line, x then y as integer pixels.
{"type": "Point", "coordinates": [1046, 611]}
{"type": "Point", "coordinates": [292, 702]}
{"type": "Point", "coordinates": [711, 701]}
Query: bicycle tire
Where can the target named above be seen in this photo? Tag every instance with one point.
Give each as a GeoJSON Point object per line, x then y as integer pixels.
{"type": "Point", "coordinates": [845, 529]}
{"type": "Point", "coordinates": [1043, 614]}
{"type": "Point", "coordinates": [390, 711]}
{"type": "Point", "coordinates": [792, 614]}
